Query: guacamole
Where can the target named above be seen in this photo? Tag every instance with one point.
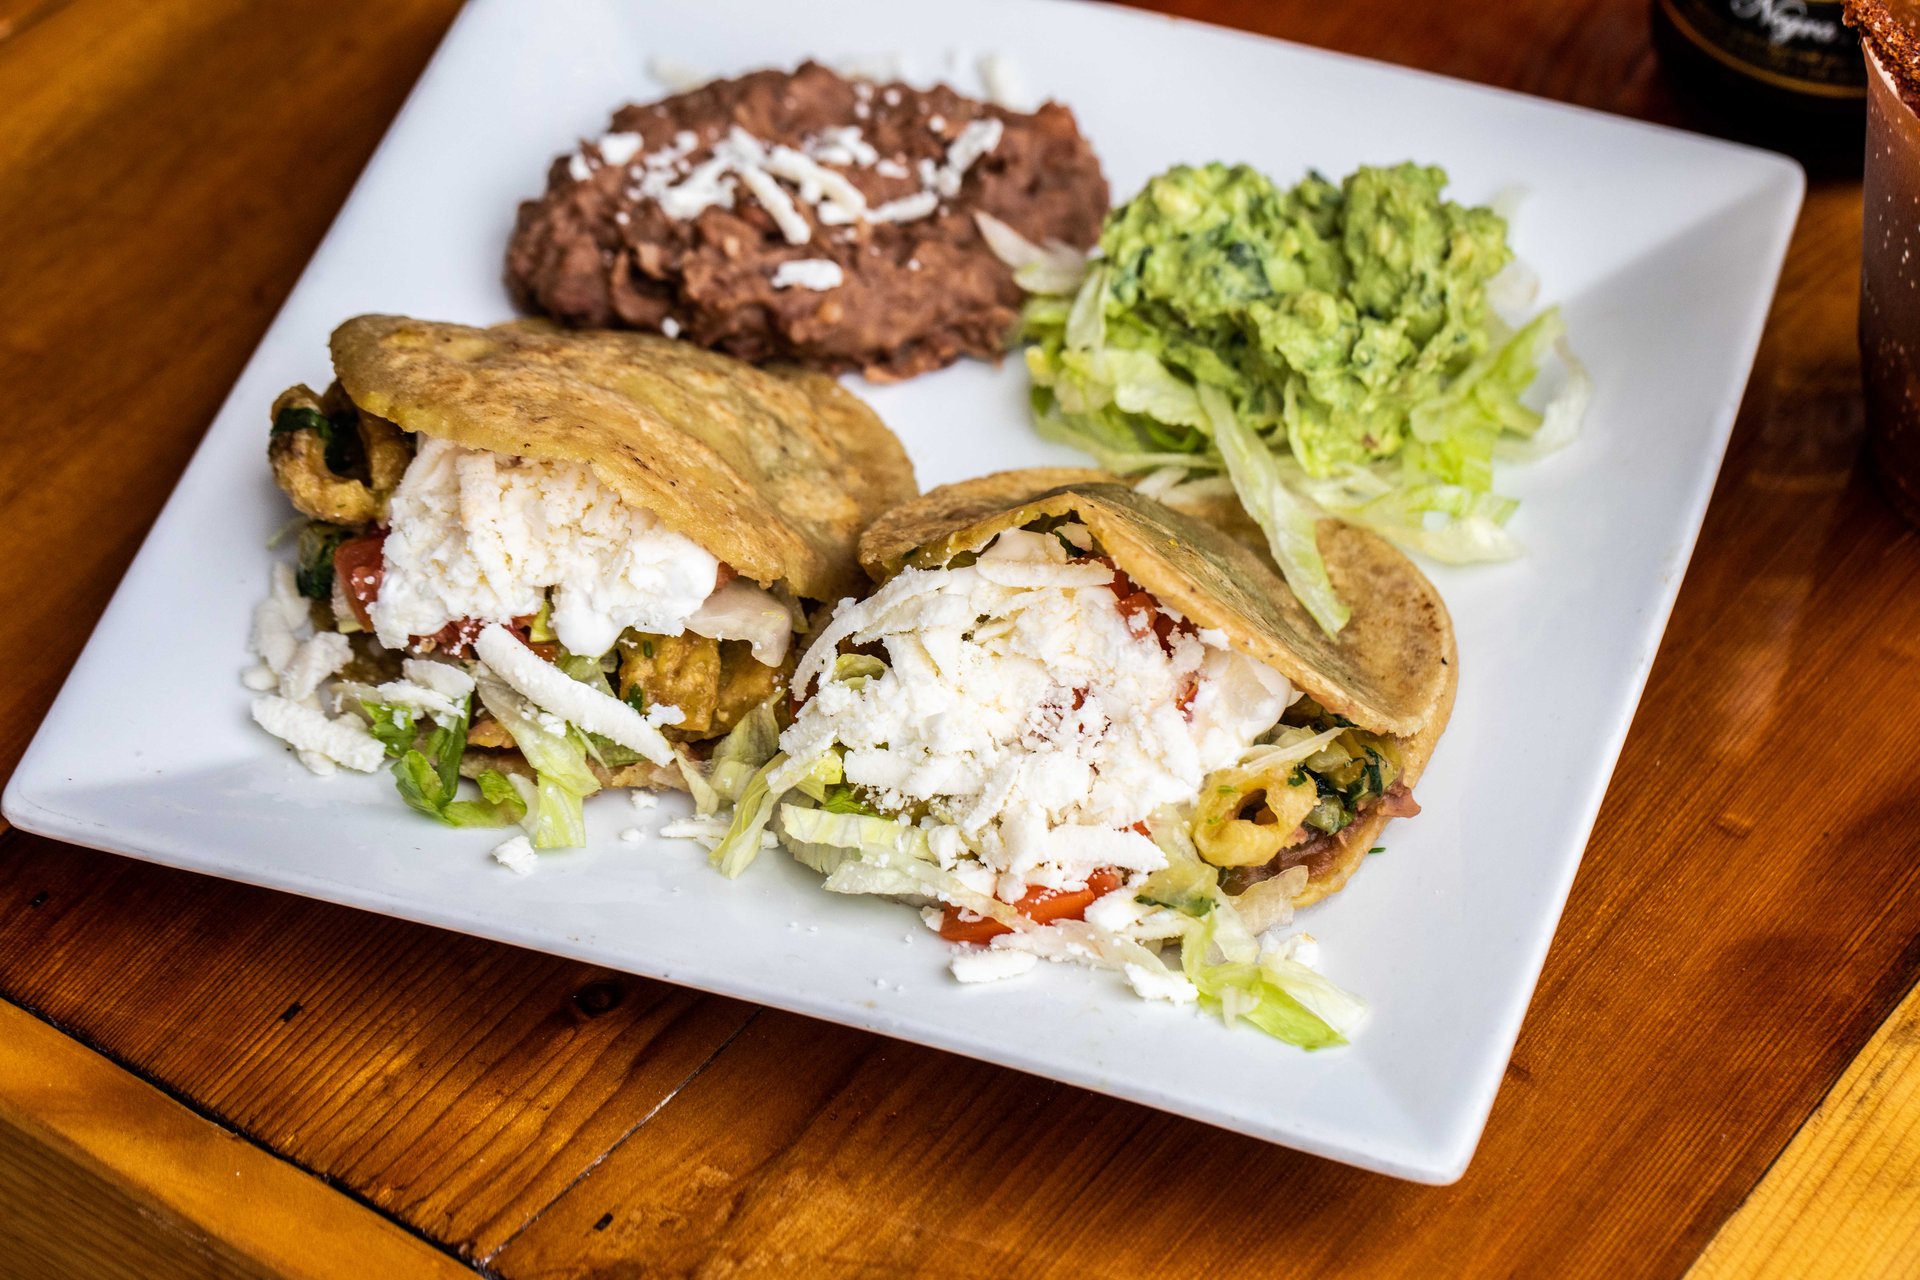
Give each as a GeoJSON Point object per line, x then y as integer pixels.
{"type": "Point", "coordinates": [1341, 334]}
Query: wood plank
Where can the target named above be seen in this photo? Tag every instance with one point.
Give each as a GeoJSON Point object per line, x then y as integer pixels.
{"type": "Point", "coordinates": [106, 1178]}
{"type": "Point", "coordinates": [1843, 1201]}
{"type": "Point", "coordinates": [166, 169]}
{"type": "Point", "coordinates": [456, 1084]}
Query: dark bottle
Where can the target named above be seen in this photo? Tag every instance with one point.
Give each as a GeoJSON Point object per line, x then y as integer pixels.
{"type": "Point", "coordinates": [1890, 246]}
{"type": "Point", "coordinates": [1785, 74]}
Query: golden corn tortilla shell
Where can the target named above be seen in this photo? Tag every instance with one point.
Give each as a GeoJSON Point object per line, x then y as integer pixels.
{"type": "Point", "coordinates": [1389, 670]}
{"type": "Point", "coordinates": [1392, 669]}
{"type": "Point", "coordinates": [774, 471]}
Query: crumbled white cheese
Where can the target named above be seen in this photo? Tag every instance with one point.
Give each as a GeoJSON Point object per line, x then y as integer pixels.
{"type": "Point", "coordinates": [312, 662]}
{"type": "Point", "coordinates": [345, 740]}
{"type": "Point", "coordinates": [553, 691]}
{"type": "Point", "coordinates": [401, 693]}
{"type": "Point", "coordinates": [1152, 984]}
{"type": "Point", "coordinates": [1024, 710]}
{"type": "Point", "coordinates": [709, 185]}
{"type": "Point", "coordinates": [675, 76]}
{"type": "Point", "coordinates": [817, 183]}
{"type": "Point", "coordinates": [1116, 912]}
{"type": "Point", "coordinates": [632, 835]}
{"type": "Point", "coordinates": [670, 327]}
{"type": "Point", "coordinates": [779, 205]}
{"type": "Point", "coordinates": [976, 140]}
{"type": "Point", "coordinates": [1301, 948]}
{"type": "Point", "coordinates": [906, 208]}
{"type": "Point", "coordinates": [279, 621]}
{"type": "Point", "coordinates": [578, 169]}
{"type": "Point", "coordinates": [260, 678]}
{"type": "Point", "coordinates": [517, 855]}
{"type": "Point", "coordinates": [480, 535]}
{"type": "Point", "coordinates": [444, 678]}
{"type": "Point", "coordinates": [1003, 84]}
{"type": "Point", "coordinates": [742, 160]}
{"type": "Point", "coordinates": [318, 765]}
{"type": "Point", "coordinates": [708, 831]}
{"type": "Point", "coordinates": [842, 145]}
{"type": "Point", "coordinates": [808, 273]}
{"type": "Point", "coordinates": [989, 964]}
{"type": "Point", "coordinates": [643, 801]}
{"type": "Point", "coordinates": [618, 148]}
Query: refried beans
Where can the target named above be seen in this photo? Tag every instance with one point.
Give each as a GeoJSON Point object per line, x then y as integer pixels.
{"type": "Point", "coordinates": [806, 218]}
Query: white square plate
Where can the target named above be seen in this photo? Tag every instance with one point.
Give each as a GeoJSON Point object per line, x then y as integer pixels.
{"type": "Point", "coordinates": [1661, 247]}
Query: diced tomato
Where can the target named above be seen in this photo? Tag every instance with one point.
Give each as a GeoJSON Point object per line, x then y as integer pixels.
{"type": "Point", "coordinates": [1042, 906]}
{"type": "Point", "coordinates": [1142, 611]}
{"type": "Point", "coordinates": [358, 565]}
{"type": "Point", "coordinates": [457, 637]}
{"type": "Point", "coordinates": [1137, 606]}
{"type": "Point", "coordinates": [452, 639]}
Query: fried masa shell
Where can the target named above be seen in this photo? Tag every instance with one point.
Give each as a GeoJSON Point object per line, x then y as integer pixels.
{"type": "Point", "coordinates": [774, 471]}
{"type": "Point", "coordinates": [1392, 669]}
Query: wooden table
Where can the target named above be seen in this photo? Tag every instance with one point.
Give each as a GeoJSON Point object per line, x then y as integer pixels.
{"type": "Point", "coordinates": [1717, 1074]}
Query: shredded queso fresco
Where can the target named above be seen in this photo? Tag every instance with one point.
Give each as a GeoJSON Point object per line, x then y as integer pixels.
{"type": "Point", "coordinates": [1017, 740]}
{"type": "Point", "coordinates": [1021, 742]}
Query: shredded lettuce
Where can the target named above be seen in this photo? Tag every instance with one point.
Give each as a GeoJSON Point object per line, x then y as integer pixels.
{"type": "Point", "coordinates": [1057, 268]}
{"type": "Point", "coordinates": [746, 748]}
{"type": "Point", "coordinates": [1223, 960]}
{"type": "Point", "coordinates": [1222, 963]}
{"type": "Point", "coordinates": [826, 841]}
{"type": "Point", "coordinates": [1338, 1008]}
{"type": "Point", "coordinates": [420, 786]}
{"type": "Point", "coordinates": [428, 776]}
{"type": "Point", "coordinates": [753, 810]}
{"type": "Point", "coordinates": [1289, 522]}
{"type": "Point", "coordinates": [558, 754]}
{"type": "Point", "coordinates": [587, 671]}
{"type": "Point", "coordinates": [397, 728]}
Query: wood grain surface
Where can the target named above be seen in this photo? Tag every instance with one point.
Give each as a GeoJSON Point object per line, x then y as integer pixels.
{"type": "Point", "coordinates": [1840, 1202]}
{"type": "Point", "coordinates": [103, 1177]}
{"type": "Point", "coordinates": [1746, 917]}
